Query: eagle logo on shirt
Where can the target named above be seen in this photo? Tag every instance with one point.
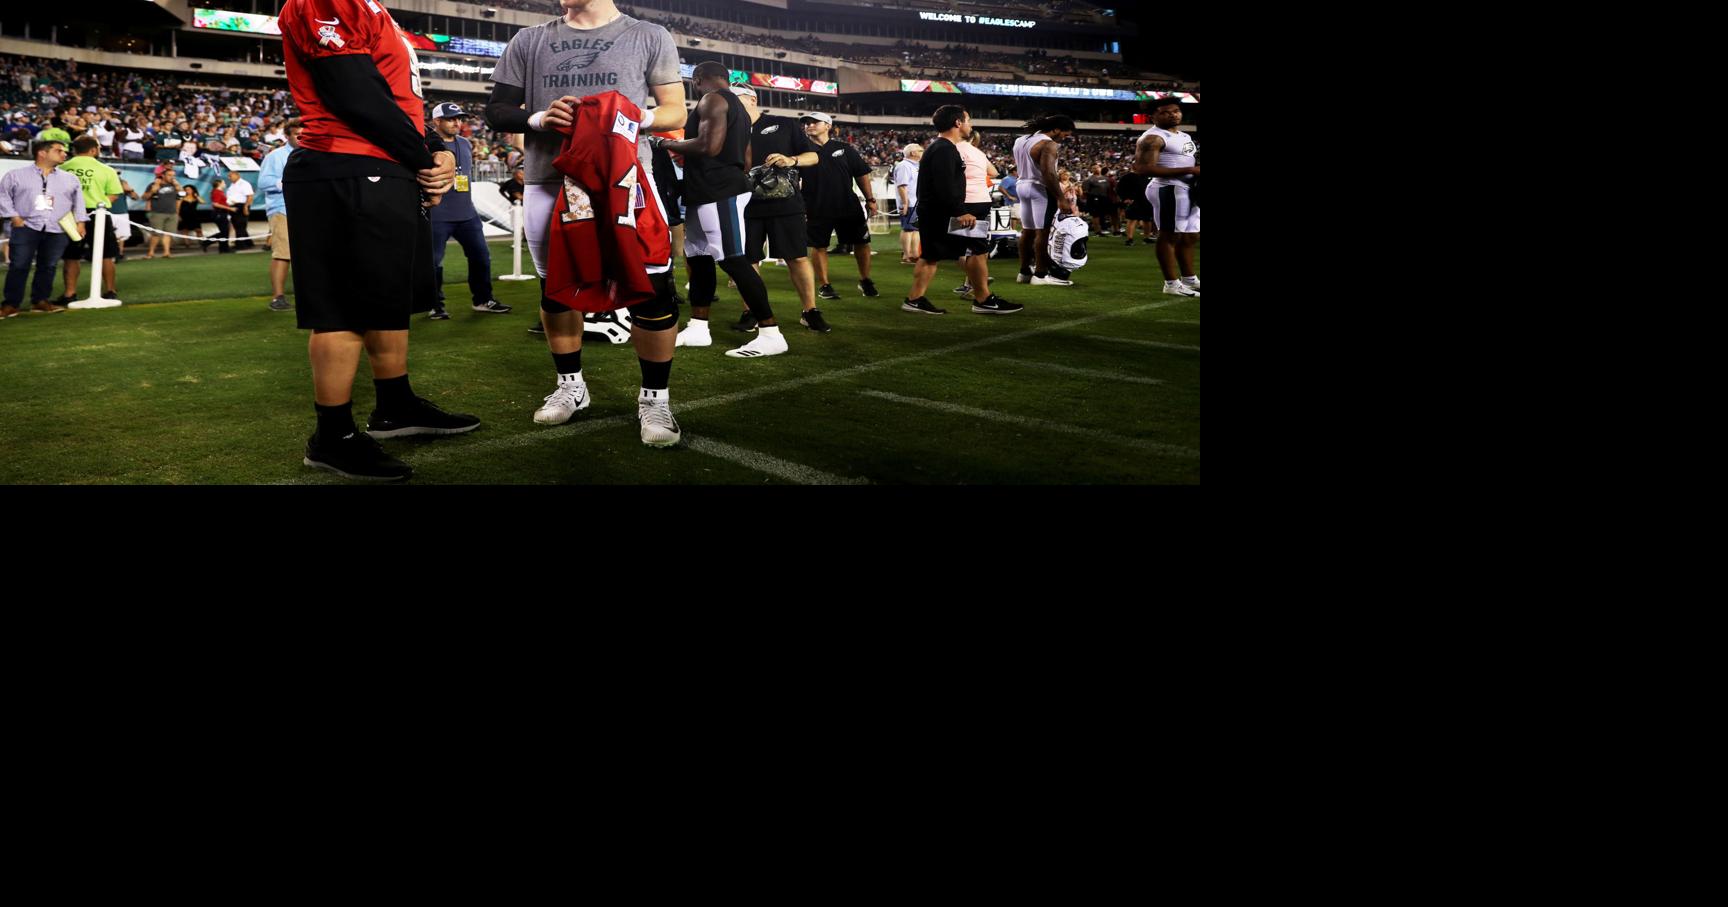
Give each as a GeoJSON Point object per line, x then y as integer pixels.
{"type": "Point", "coordinates": [837, 152]}
{"type": "Point", "coordinates": [580, 61]}
{"type": "Point", "coordinates": [773, 128]}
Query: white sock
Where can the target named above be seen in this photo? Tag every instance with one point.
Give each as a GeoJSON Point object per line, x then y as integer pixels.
{"type": "Point", "coordinates": [1192, 278]}
{"type": "Point", "coordinates": [572, 378]}
{"type": "Point", "coordinates": [662, 395]}
{"type": "Point", "coordinates": [769, 330]}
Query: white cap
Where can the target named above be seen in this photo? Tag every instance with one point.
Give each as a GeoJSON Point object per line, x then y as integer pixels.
{"type": "Point", "coordinates": [817, 115]}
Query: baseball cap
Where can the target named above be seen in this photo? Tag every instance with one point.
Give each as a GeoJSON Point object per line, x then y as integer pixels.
{"type": "Point", "coordinates": [742, 90]}
{"type": "Point", "coordinates": [818, 116]}
{"type": "Point", "coordinates": [447, 109]}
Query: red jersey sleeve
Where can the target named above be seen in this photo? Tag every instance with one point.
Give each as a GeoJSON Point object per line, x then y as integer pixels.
{"type": "Point", "coordinates": [329, 28]}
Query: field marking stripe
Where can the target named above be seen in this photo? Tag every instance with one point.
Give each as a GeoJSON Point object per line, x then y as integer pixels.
{"type": "Point", "coordinates": [1027, 422]}
{"type": "Point", "coordinates": [1151, 343]}
{"type": "Point", "coordinates": [761, 462]}
{"type": "Point", "coordinates": [1083, 372]}
{"type": "Point", "coordinates": [1173, 321]}
{"type": "Point", "coordinates": [584, 427]}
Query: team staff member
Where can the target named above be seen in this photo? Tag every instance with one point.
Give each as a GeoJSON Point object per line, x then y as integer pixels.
{"type": "Point", "coordinates": [101, 187]}
{"type": "Point", "coordinates": [833, 209]}
{"type": "Point", "coordinates": [357, 185]}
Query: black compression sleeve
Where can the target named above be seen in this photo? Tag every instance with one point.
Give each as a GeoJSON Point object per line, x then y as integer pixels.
{"type": "Point", "coordinates": [351, 87]}
{"type": "Point", "coordinates": [504, 109]}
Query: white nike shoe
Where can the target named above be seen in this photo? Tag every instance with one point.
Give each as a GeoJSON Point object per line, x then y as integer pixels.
{"type": "Point", "coordinates": [561, 404]}
{"type": "Point", "coordinates": [694, 334]}
{"type": "Point", "coordinates": [1178, 288]}
{"type": "Point", "coordinates": [1051, 282]}
{"type": "Point", "coordinates": [1192, 282]}
{"type": "Point", "coordinates": [767, 343]}
{"type": "Point", "coordinates": [659, 429]}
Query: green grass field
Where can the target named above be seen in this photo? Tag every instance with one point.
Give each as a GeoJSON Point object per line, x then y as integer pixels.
{"type": "Point", "coordinates": [195, 381]}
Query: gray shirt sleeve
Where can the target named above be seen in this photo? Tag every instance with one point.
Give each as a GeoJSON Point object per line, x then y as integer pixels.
{"type": "Point", "coordinates": [663, 59]}
{"type": "Point", "coordinates": [512, 68]}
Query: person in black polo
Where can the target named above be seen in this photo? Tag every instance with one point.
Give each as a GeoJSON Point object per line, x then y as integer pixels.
{"type": "Point", "coordinates": [833, 208]}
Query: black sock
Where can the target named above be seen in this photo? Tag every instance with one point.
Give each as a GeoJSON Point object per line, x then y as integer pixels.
{"type": "Point", "coordinates": [567, 363]}
{"type": "Point", "coordinates": [394, 394]}
{"type": "Point", "coordinates": [335, 422]}
{"type": "Point", "coordinates": [656, 376]}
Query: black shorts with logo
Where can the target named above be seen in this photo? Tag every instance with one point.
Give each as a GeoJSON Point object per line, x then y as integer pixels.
{"type": "Point", "coordinates": [854, 230]}
{"type": "Point", "coordinates": [362, 253]}
{"type": "Point", "coordinates": [785, 236]}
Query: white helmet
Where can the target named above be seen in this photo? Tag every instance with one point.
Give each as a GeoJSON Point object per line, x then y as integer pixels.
{"type": "Point", "coordinates": [614, 326]}
{"type": "Point", "coordinates": [1068, 243]}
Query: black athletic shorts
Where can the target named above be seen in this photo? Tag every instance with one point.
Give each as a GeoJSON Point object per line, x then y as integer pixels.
{"type": "Point", "coordinates": [362, 253]}
{"type": "Point", "coordinates": [85, 248]}
{"type": "Point", "coordinates": [852, 230]}
{"type": "Point", "coordinates": [944, 246]}
{"type": "Point", "coordinates": [785, 236]}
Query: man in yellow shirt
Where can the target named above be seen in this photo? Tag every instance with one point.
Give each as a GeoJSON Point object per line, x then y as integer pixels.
{"type": "Point", "coordinates": [101, 187]}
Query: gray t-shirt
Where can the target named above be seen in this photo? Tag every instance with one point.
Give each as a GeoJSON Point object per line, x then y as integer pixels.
{"type": "Point", "coordinates": [552, 60]}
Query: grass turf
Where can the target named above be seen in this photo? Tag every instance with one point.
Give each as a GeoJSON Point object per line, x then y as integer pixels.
{"type": "Point", "coordinates": [194, 381]}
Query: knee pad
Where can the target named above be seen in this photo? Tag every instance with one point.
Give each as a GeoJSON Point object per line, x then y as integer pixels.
{"type": "Point", "coordinates": [659, 313]}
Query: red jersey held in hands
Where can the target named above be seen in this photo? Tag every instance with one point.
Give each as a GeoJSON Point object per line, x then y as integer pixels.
{"type": "Point", "coordinates": [607, 226]}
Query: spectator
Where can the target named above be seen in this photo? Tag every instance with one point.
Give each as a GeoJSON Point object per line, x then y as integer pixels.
{"type": "Point", "coordinates": [35, 199]}
{"type": "Point", "coordinates": [240, 199]}
{"type": "Point", "coordinates": [276, 210]}
{"type": "Point", "coordinates": [164, 195]}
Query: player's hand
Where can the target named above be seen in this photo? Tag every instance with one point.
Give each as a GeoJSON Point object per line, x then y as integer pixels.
{"type": "Point", "coordinates": [562, 113]}
{"type": "Point", "coordinates": [966, 220]}
{"type": "Point", "coordinates": [437, 179]}
{"type": "Point", "coordinates": [870, 206]}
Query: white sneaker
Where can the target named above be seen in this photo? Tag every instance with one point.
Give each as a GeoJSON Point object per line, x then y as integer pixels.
{"type": "Point", "coordinates": [694, 334]}
{"type": "Point", "coordinates": [768, 342]}
{"type": "Point", "coordinates": [1193, 283]}
{"type": "Point", "coordinates": [1178, 288]}
{"type": "Point", "coordinates": [561, 404]}
{"type": "Point", "coordinates": [659, 429]}
{"type": "Point", "coordinates": [1051, 282]}
{"type": "Point", "coordinates": [1022, 278]}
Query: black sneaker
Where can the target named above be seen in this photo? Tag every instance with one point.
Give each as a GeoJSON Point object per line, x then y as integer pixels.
{"type": "Point", "coordinates": [424, 419]}
{"type": "Point", "coordinates": [813, 320]}
{"type": "Point", "coordinates": [110, 294]}
{"type": "Point", "coordinates": [827, 292]}
{"type": "Point", "coordinates": [438, 314]}
{"type": "Point", "coordinates": [280, 304]}
{"type": "Point", "coordinates": [746, 324]}
{"type": "Point", "coordinates": [493, 307]}
{"type": "Point", "coordinates": [538, 327]}
{"type": "Point", "coordinates": [996, 305]}
{"type": "Point", "coordinates": [964, 289]}
{"type": "Point", "coordinates": [922, 306]}
{"type": "Point", "coordinates": [355, 456]}
{"type": "Point", "coordinates": [868, 287]}
{"type": "Point", "coordinates": [1129, 243]}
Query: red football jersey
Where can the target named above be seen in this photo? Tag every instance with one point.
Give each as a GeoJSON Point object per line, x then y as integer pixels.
{"type": "Point", "coordinates": [607, 227]}
{"type": "Point", "coordinates": [324, 28]}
